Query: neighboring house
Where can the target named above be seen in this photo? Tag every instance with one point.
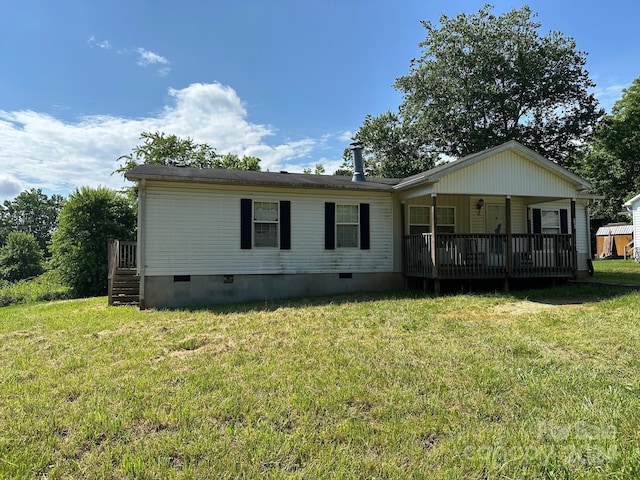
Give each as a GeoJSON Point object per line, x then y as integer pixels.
{"type": "Point", "coordinates": [614, 240]}
{"type": "Point", "coordinates": [633, 206]}
{"type": "Point", "coordinates": [209, 236]}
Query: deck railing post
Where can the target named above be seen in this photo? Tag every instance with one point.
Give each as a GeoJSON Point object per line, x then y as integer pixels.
{"type": "Point", "coordinates": [434, 241]}
{"type": "Point", "coordinates": [114, 260]}
{"type": "Point", "coordinates": [509, 263]}
{"type": "Point", "coordinates": [574, 249]}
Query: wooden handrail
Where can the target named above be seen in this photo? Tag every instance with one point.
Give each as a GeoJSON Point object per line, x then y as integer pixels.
{"type": "Point", "coordinates": [490, 255]}
{"type": "Point", "coordinates": [122, 256]}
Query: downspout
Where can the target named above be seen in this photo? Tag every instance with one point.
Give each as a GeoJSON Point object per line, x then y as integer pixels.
{"type": "Point", "coordinates": [142, 204]}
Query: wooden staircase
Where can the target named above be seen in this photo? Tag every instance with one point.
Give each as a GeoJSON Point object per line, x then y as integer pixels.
{"type": "Point", "coordinates": [124, 281]}
{"type": "Point", "coordinates": [125, 289]}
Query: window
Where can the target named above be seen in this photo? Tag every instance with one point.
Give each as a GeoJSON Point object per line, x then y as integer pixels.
{"type": "Point", "coordinates": [347, 222]}
{"type": "Point", "coordinates": [550, 221]}
{"type": "Point", "coordinates": [420, 219]}
{"type": "Point", "coordinates": [265, 224]}
{"type": "Point", "coordinates": [347, 226]}
{"type": "Point", "coordinates": [446, 220]}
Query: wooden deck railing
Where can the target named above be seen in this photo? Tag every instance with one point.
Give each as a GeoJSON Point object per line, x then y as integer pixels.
{"type": "Point", "coordinates": [122, 256]}
{"type": "Point", "coordinates": [462, 256]}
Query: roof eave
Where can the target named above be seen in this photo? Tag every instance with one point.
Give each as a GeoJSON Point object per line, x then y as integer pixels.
{"type": "Point", "coordinates": [238, 182]}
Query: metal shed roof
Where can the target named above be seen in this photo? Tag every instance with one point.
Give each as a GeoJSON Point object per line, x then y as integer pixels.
{"type": "Point", "coordinates": [615, 230]}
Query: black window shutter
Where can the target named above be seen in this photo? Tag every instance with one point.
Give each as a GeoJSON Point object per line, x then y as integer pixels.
{"type": "Point", "coordinates": [564, 221]}
{"type": "Point", "coordinates": [365, 243]}
{"type": "Point", "coordinates": [329, 226]}
{"type": "Point", "coordinates": [245, 223]}
{"type": "Point", "coordinates": [537, 220]}
{"type": "Point", "coordinates": [285, 225]}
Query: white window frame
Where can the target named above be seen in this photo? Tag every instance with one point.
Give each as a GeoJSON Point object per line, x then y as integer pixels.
{"type": "Point", "coordinates": [422, 226]}
{"type": "Point", "coordinates": [256, 222]}
{"type": "Point", "coordinates": [356, 224]}
{"type": "Point", "coordinates": [450, 227]}
{"type": "Point", "coordinates": [557, 228]}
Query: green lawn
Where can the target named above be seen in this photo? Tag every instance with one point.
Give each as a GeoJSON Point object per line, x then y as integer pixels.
{"type": "Point", "coordinates": [626, 272]}
{"type": "Point", "coordinates": [537, 384]}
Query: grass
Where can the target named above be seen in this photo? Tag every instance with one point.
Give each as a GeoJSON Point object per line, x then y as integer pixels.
{"type": "Point", "coordinates": [538, 384]}
{"type": "Point", "coordinates": [43, 288]}
{"type": "Point", "coordinates": [623, 272]}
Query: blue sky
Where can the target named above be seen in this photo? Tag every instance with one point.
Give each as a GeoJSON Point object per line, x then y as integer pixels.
{"type": "Point", "coordinates": [286, 80]}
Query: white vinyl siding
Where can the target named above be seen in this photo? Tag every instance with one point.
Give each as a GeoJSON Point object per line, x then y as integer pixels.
{"type": "Point", "coordinates": [195, 230]}
{"type": "Point", "coordinates": [636, 230]}
{"type": "Point", "coordinates": [508, 173]}
{"type": "Point", "coordinates": [582, 236]}
{"type": "Point", "coordinates": [478, 218]}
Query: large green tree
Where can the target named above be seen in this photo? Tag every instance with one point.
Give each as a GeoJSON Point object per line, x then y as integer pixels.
{"type": "Point", "coordinates": [612, 162]}
{"type": "Point", "coordinates": [158, 148]}
{"type": "Point", "coordinates": [20, 257]}
{"type": "Point", "coordinates": [233, 162]}
{"type": "Point", "coordinates": [31, 212]}
{"type": "Point", "coordinates": [88, 220]}
{"type": "Point", "coordinates": [482, 80]}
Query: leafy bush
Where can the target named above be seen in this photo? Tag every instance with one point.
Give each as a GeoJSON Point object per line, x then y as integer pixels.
{"type": "Point", "coordinates": [88, 220]}
{"type": "Point", "coordinates": [21, 257]}
{"type": "Point", "coordinates": [47, 286]}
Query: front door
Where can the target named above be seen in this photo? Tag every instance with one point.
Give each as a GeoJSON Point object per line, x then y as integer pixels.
{"type": "Point", "coordinates": [496, 218]}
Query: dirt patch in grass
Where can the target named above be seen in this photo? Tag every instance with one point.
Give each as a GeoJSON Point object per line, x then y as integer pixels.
{"type": "Point", "coordinates": [530, 307]}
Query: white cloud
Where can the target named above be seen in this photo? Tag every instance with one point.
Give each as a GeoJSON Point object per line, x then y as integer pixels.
{"type": "Point", "coordinates": [607, 96]}
{"type": "Point", "coordinates": [38, 150]}
{"type": "Point", "coordinates": [9, 186]}
{"type": "Point", "coordinates": [146, 57]}
{"type": "Point", "coordinates": [346, 136]}
{"type": "Point", "coordinates": [104, 44]}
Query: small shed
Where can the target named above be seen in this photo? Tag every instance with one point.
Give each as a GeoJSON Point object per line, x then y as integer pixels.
{"type": "Point", "coordinates": [614, 240]}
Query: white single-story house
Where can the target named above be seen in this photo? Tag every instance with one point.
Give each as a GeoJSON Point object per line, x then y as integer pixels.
{"type": "Point", "coordinates": [633, 206]}
{"type": "Point", "coordinates": [208, 236]}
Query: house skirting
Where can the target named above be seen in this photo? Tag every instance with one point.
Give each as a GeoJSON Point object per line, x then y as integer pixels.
{"type": "Point", "coordinates": [200, 290]}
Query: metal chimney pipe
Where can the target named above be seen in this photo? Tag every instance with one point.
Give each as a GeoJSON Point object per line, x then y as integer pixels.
{"type": "Point", "coordinates": [358, 164]}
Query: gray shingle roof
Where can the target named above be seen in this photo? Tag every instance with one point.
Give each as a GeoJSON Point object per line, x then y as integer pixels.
{"type": "Point", "coordinates": [242, 177]}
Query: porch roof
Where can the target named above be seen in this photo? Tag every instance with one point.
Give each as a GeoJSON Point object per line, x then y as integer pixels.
{"type": "Point", "coordinates": [435, 174]}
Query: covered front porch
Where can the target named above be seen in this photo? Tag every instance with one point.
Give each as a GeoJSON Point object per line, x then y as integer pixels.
{"type": "Point", "coordinates": [469, 237]}
{"type": "Point", "coordinates": [477, 256]}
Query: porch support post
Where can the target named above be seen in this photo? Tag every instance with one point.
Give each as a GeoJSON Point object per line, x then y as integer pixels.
{"type": "Point", "coordinates": [404, 243]}
{"type": "Point", "coordinates": [434, 243]}
{"type": "Point", "coordinates": [574, 249]}
{"type": "Point", "coordinates": [142, 240]}
{"type": "Point", "coordinates": [507, 210]}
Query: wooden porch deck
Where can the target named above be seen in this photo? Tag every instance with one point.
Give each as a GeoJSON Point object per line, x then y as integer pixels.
{"type": "Point", "coordinates": [489, 256]}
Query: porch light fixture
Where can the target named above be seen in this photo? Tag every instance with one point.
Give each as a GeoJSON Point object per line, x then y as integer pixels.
{"type": "Point", "coordinates": [479, 205]}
